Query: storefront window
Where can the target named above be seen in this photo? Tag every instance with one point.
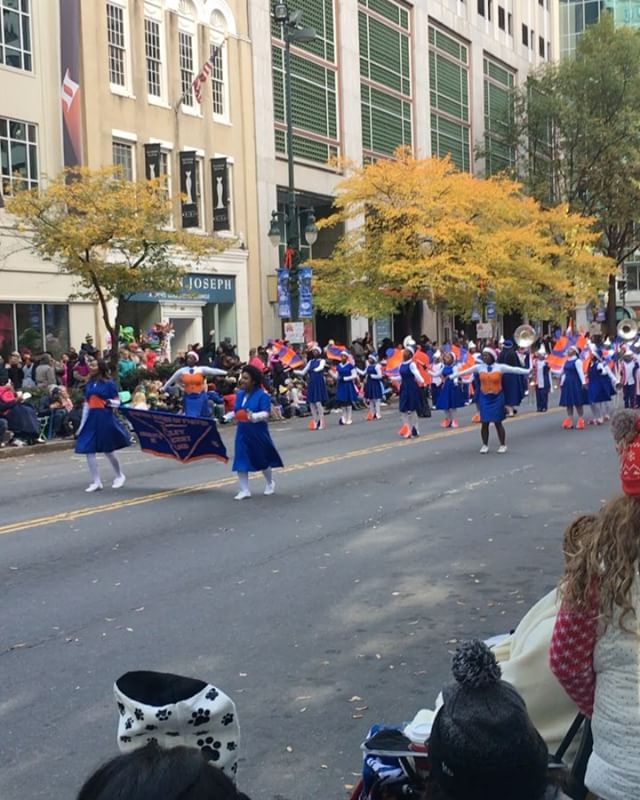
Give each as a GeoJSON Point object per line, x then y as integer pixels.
{"type": "Point", "coordinates": [29, 326]}
{"type": "Point", "coordinates": [56, 328]}
{"type": "Point", "coordinates": [7, 340]}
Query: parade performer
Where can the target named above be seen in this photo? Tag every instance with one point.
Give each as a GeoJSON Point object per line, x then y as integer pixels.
{"type": "Point", "coordinates": [491, 396]}
{"type": "Point", "coordinates": [317, 394]}
{"type": "Point", "coordinates": [346, 394]}
{"type": "Point", "coordinates": [450, 396]}
{"type": "Point", "coordinates": [572, 389]}
{"type": "Point", "coordinates": [254, 448]}
{"type": "Point", "coordinates": [599, 386]}
{"type": "Point", "coordinates": [411, 400]}
{"type": "Point", "coordinates": [541, 379]}
{"type": "Point", "coordinates": [373, 391]}
{"type": "Point", "coordinates": [513, 389]}
{"type": "Point", "coordinates": [100, 430]}
{"type": "Point", "coordinates": [193, 381]}
{"type": "Point", "coordinates": [627, 370]}
{"type": "Point", "coordinates": [475, 383]}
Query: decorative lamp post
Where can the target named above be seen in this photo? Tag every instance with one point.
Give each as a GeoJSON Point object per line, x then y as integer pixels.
{"type": "Point", "coordinates": [293, 32]}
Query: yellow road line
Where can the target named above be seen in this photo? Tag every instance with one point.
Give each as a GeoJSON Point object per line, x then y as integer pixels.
{"type": "Point", "coordinates": [70, 516]}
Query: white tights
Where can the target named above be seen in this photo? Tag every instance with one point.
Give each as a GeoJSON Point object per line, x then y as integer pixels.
{"type": "Point", "coordinates": [243, 478]}
{"type": "Point", "coordinates": [317, 411]}
{"type": "Point", "coordinates": [92, 463]}
{"type": "Point", "coordinates": [347, 413]}
{"type": "Point", "coordinates": [410, 419]}
{"type": "Point", "coordinates": [375, 406]}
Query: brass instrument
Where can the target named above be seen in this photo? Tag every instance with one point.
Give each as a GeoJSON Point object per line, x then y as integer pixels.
{"type": "Point", "coordinates": [525, 336]}
{"type": "Point", "coordinates": [408, 342]}
{"type": "Point", "coordinates": [627, 329]}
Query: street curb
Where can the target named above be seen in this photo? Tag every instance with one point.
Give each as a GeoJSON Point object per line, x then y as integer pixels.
{"type": "Point", "coordinates": [36, 449]}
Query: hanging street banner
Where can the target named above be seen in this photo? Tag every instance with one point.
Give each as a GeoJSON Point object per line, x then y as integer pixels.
{"type": "Point", "coordinates": [188, 167]}
{"type": "Point", "coordinates": [152, 161]}
{"type": "Point", "coordinates": [305, 297]}
{"type": "Point", "coordinates": [220, 184]}
{"type": "Point", "coordinates": [284, 294]}
{"type": "Point", "coordinates": [70, 93]}
{"type": "Point", "coordinates": [174, 436]}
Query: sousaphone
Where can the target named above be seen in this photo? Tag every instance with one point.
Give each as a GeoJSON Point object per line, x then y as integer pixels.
{"type": "Point", "coordinates": [627, 329]}
{"type": "Point", "coordinates": [525, 336]}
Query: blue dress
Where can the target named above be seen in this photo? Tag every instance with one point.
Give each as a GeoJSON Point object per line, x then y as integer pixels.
{"type": "Point", "coordinates": [102, 432]}
{"type": "Point", "coordinates": [450, 395]}
{"type": "Point", "coordinates": [196, 405]}
{"type": "Point", "coordinates": [316, 387]}
{"type": "Point", "coordinates": [491, 405]}
{"type": "Point", "coordinates": [255, 449]}
{"type": "Point", "coordinates": [373, 386]}
{"type": "Point", "coordinates": [346, 392]}
{"type": "Point", "coordinates": [572, 393]}
{"type": "Point", "coordinates": [599, 385]}
{"type": "Point", "coordinates": [410, 397]}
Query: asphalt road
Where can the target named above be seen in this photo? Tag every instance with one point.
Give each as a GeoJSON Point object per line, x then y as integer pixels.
{"type": "Point", "coordinates": [355, 580]}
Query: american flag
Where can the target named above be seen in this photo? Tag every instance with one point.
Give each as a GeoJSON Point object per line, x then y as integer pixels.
{"type": "Point", "coordinates": [204, 73]}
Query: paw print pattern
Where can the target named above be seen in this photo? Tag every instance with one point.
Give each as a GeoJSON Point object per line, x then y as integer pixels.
{"type": "Point", "coordinates": [121, 709]}
{"type": "Point", "coordinates": [151, 727]}
{"type": "Point", "coordinates": [227, 719]}
{"type": "Point", "coordinates": [200, 717]}
{"type": "Point", "coordinates": [212, 693]}
{"type": "Point", "coordinates": [125, 739]}
{"type": "Point", "coordinates": [234, 767]}
{"type": "Point", "coordinates": [163, 714]}
{"type": "Point", "coordinates": [138, 714]}
{"type": "Point", "coordinates": [210, 747]}
{"type": "Point", "coordinates": [152, 740]}
{"type": "Point", "coordinates": [128, 723]}
{"type": "Point", "coordinates": [231, 746]}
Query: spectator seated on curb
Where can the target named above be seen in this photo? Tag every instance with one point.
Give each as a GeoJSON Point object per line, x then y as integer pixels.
{"type": "Point", "coordinates": [21, 418]}
{"type": "Point", "coordinates": [152, 773]}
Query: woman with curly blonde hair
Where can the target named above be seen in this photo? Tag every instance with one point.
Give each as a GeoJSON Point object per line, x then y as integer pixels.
{"type": "Point", "coordinates": [595, 649]}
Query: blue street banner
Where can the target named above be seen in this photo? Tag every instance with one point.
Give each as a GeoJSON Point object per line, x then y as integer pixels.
{"type": "Point", "coordinates": [305, 298]}
{"type": "Point", "coordinates": [284, 294]}
{"type": "Point", "coordinates": [174, 436]}
{"type": "Point", "coordinates": [492, 311]}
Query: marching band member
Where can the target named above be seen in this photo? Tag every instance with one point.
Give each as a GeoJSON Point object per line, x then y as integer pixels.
{"type": "Point", "coordinates": [411, 400]}
{"type": "Point", "coordinates": [513, 389]}
{"type": "Point", "coordinates": [316, 387]}
{"type": "Point", "coordinates": [572, 383]}
{"type": "Point", "coordinates": [373, 392]}
{"type": "Point", "coordinates": [472, 348]}
{"type": "Point", "coordinates": [436, 377]}
{"type": "Point", "coordinates": [599, 386]}
{"type": "Point", "coordinates": [254, 450]}
{"type": "Point", "coordinates": [100, 430]}
{"type": "Point", "coordinates": [627, 370]}
{"type": "Point", "coordinates": [193, 381]}
{"type": "Point", "coordinates": [541, 379]}
{"type": "Point", "coordinates": [450, 396]}
{"type": "Point", "coordinates": [346, 394]}
{"type": "Point", "coordinates": [491, 396]}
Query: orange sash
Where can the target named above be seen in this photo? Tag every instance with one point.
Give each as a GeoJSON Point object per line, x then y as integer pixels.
{"type": "Point", "coordinates": [491, 382]}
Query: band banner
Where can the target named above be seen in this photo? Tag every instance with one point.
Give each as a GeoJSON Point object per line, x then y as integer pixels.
{"type": "Point", "coordinates": [284, 294]}
{"type": "Point", "coordinates": [305, 298]}
{"type": "Point", "coordinates": [174, 436]}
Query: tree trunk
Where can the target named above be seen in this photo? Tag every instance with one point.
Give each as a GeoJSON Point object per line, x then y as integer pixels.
{"type": "Point", "coordinates": [612, 322]}
{"type": "Point", "coordinates": [115, 343]}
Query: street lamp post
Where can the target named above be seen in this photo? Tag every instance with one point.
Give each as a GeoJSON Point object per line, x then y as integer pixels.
{"type": "Point", "coordinates": [293, 32]}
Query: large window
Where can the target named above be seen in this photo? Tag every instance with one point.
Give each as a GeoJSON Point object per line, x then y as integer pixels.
{"type": "Point", "coordinates": [39, 327]}
{"type": "Point", "coordinates": [185, 49]}
{"type": "Point", "coordinates": [153, 55]}
{"type": "Point", "coordinates": [576, 15]}
{"type": "Point", "coordinates": [15, 34]}
{"type": "Point", "coordinates": [314, 86]}
{"type": "Point", "coordinates": [117, 45]}
{"type": "Point", "coordinates": [449, 82]}
{"type": "Point", "coordinates": [218, 87]}
{"type": "Point", "coordinates": [123, 157]}
{"type": "Point", "coordinates": [385, 77]}
{"type": "Point", "coordinates": [18, 155]}
{"type": "Point", "coordinates": [498, 114]}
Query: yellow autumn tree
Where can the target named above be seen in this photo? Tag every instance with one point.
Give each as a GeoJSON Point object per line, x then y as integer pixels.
{"type": "Point", "coordinates": [418, 229]}
{"type": "Point", "coordinates": [112, 234]}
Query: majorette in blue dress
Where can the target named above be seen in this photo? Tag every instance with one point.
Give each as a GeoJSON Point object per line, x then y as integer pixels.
{"type": "Point", "coordinates": [449, 395]}
{"type": "Point", "coordinates": [316, 386]}
{"type": "Point", "coordinates": [255, 450]}
{"type": "Point", "coordinates": [599, 383]}
{"type": "Point", "coordinates": [102, 431]}
{"type": "Point", "coordinates": [373, 386]}
{"type": "Point", "coordinates": [491, 399]}
{"type": "Point", "coordinates": [410, 388]}
{"type": "Point", "coordinates": [346, 393]}
{"type": "Point", "coordinates": [572, 392]}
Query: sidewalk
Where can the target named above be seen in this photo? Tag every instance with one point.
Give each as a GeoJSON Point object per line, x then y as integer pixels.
{"type": "Point", "coordinates": [54, 446]}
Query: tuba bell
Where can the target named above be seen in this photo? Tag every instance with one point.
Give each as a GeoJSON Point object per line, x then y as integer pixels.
{"type": "Point", "coordinates": [408, 342]}
{"type": "Point", "coordinates": [525, 336]}
{"type": "Point", "coordinates": [627, 329]}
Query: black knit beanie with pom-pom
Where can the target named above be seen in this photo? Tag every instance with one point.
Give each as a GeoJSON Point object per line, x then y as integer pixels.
{"type": "Point", "coordinates": [483, 745]}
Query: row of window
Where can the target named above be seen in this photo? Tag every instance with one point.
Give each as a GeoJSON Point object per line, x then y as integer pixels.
{"type": "Point", "coordinates": [384, 31]}
{"type": "Point", "coordinates": [190, 60]}
{"type": "Point", "coordinates": [18, 155]}
{"type": "Point", "coordinates": [34, 326]}
{"type": "Point", "coordinates": [124, 156]}
{"type": "Point", "coordinates": [15, 34]}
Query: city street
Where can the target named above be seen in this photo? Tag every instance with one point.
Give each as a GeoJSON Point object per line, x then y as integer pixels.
{"type": "Point", "coordinates": [334, 604]}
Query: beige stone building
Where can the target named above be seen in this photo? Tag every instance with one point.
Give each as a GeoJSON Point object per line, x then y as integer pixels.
{"type": "Point", "coordinates": [136, 61]}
